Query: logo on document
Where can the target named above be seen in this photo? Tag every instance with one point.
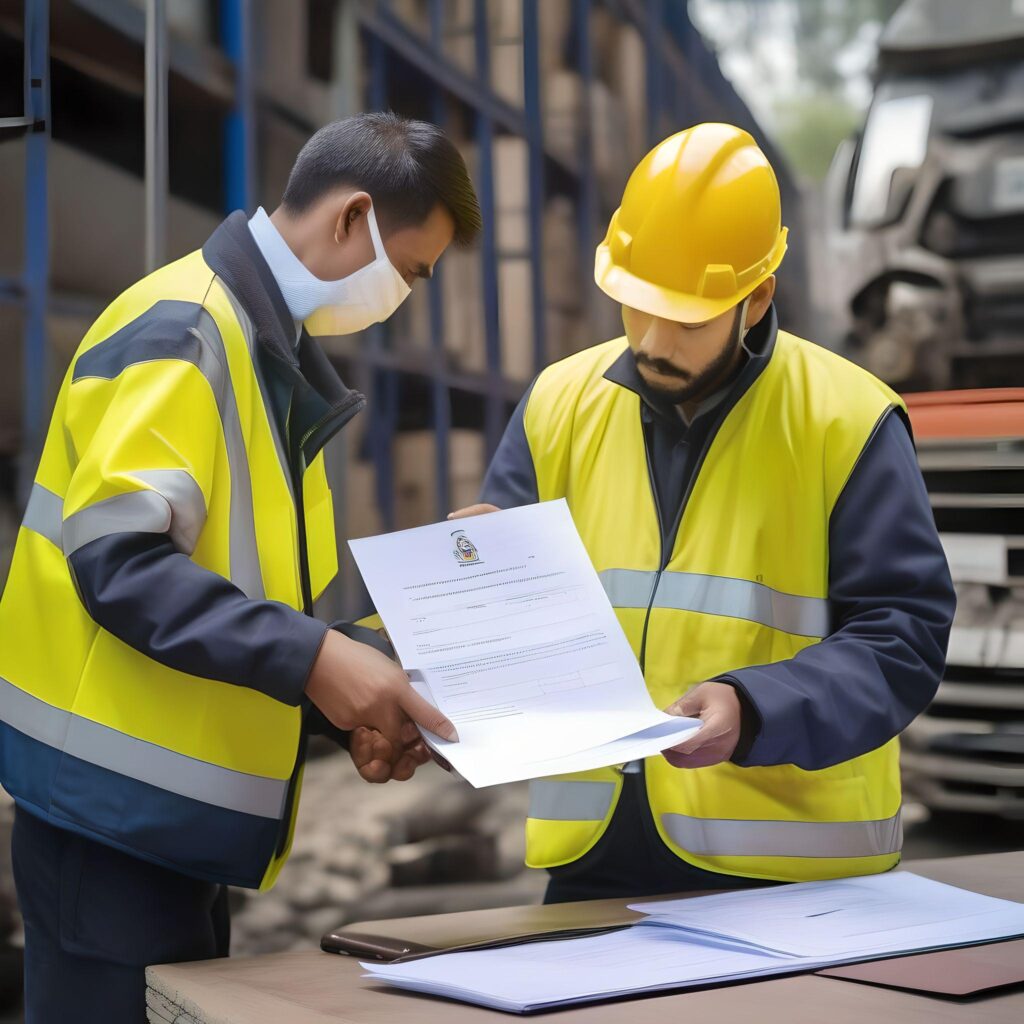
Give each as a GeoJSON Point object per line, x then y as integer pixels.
{"type": "Point", "coordinates": [465, 550]}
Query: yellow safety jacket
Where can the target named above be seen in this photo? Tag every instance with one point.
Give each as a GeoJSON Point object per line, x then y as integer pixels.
{"type": "Point", "coordinates": [746, 583]}
{"type": "Point", "coordinates": [163, 424]}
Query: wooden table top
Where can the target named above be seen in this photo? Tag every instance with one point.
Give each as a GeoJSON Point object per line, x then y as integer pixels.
{"type": "Point", "coordinates": [321, 988]}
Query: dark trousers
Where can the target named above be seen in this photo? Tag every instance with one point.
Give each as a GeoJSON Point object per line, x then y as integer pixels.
{"type": "Point", "coordinates": [96, 917]}
{"type": "Point", "coordinates": [631, 861]}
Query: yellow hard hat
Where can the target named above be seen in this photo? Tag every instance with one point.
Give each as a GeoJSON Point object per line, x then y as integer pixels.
{"type": "Point", "coordinates": [699, 228]}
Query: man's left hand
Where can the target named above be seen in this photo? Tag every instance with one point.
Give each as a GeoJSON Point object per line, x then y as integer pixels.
{"type": "Point", "coordinates": [717, 705]}
{"type": "Point", "coordinates": [376, 759]}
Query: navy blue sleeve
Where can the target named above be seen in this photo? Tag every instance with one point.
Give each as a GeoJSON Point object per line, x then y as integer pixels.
{"type": "Point", "coordinates": [892, 603]}
{"type": "Point", "coordinates": [139, 587]}
{"type": "Point", "coordinates": [511, 480]}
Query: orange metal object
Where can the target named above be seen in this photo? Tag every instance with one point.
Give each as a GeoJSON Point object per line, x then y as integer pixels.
{"type": "Point", "coordinates": [990, 412]}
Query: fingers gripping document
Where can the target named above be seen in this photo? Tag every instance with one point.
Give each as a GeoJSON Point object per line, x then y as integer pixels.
{"type": "Point", "coordinates": [502, 623]}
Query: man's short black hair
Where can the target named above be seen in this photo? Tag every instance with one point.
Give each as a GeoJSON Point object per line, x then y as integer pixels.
{"type": "Point", "coordinates": [408, 167]}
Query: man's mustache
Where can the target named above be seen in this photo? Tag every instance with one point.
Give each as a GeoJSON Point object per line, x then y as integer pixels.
{"type": "Point", "coordinates": [661, 366]}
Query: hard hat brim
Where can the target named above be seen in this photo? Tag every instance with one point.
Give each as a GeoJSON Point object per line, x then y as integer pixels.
{"type": "Point", "coordinates": [682, 307]}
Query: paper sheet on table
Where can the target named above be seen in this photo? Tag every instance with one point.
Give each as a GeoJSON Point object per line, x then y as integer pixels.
{"type": "Point", "coordinates": [503, 624]}
{"type": "Point", "coordinates": [726, 937]}
{"type": "Point", "coordinates": [565, 971]}
{"type": "Point", "coordinates": [868, 914]}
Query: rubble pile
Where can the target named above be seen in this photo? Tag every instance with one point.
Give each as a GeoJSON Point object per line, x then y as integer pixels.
{"type": "Point", "coordinates": [361, 852]}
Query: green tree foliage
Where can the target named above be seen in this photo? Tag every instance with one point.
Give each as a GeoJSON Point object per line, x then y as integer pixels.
{"type": "Point", "coordinates": [824, 27]}
{"type": "Point", "coordinates": [815, 114]}
{"type": "Point", "coordinates": [821, 29]}
{"type": "Point", "coordinates": [809, 128]}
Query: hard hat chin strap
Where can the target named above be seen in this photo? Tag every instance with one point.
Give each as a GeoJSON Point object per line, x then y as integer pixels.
{"type": "Point", "coordinates": [741, 326]}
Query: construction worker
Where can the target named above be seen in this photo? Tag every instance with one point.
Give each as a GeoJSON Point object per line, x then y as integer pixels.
{"type": "Point", "coordinates": [754, 508]}
{"type": "Point", "coordinates": [160, 662]}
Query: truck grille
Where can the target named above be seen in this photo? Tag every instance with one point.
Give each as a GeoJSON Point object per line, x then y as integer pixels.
{"type": "Point", "coordinates": [955, 236]}
{"type": "Point", "coordinates": [966, 752]}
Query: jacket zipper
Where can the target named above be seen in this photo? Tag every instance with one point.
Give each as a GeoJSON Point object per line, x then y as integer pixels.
{"type": "Point", "coordinates": [336, 417]}
{"type": "Point", "coordinates": [665, 552]}
{"type": "Point", "coordinates": [661, 545]}
{"type": "Point", "coordinates": [307, 607]}
{"type": "Point", "coordinates": [342, 414]}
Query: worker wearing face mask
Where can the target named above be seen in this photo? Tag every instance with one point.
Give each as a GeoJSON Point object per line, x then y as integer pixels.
{"type": "Point", "coordinates": [755, 511]}
{"type": "Point", "coordinates": [160, 662]}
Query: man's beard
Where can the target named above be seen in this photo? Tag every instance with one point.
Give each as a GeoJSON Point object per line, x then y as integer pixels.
{"type": "Point", "coordinates": [690, 386]}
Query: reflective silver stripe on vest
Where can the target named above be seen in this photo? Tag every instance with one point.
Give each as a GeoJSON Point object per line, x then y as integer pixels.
{"type": "Point", "coordinates": [244, 553]}
{"type": "Point", "coordinates": [175, 506]}
{"type": "Point", "coordinates": [628, 588]}
{"type": "Point", "coordinates": [135, 512]}
{"type": "Point", "coordinates": [146, 762]}
{"type": "Point", "coordinates": [249, 334]}
{"type": "Point", "coordinates": [726, 837]}
{"type": "Point", "coordinates": [44, 513]}
{"type": "Point", "coordinates": [719, 595]}
{"type": "Point", "coordinates": [212, 362]}
{"type": "Point", "coordinates": [570, 801]}
{"type": "Point", "coordinates": [188, 505]}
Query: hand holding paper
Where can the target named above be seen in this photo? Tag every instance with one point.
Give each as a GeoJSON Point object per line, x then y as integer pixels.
{"type": "Point", "coordinates": [503, 624]}
{"type": "Point", "coordinates": [355, 685]}
{"type": "Point", "coordinates": [377, 761]}
{"type": "Point", "coordinates": [718, 706]}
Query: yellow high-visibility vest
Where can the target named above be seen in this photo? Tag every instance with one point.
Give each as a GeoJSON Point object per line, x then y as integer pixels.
{"type": "Point", "coordinates": [189, 772]}
{"type": "Point", "coordinates": [746, 583]}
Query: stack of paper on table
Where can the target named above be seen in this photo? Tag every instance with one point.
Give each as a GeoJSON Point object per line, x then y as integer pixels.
{"type": "Point", "coordinates": [726, 937]}
{"type": "Point", "coordinates": [503, 624]}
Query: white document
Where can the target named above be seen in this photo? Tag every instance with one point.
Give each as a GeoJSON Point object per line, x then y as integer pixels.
{"type": "Point", "coordinates": [871, 914]}
{"type": "Point", "coordinates": [502, 623]}
{"type": "Point", "coordinates": [727, 937]}
{"type": "Point", "coordinates": [538, 975]}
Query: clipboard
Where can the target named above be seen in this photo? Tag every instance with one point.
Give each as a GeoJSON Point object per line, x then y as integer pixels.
{"type": "Point", "coordinates": [402, 939]}
{"type": "Point", "coordinates": [967, 971]}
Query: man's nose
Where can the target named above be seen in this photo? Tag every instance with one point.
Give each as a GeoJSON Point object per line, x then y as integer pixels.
{"type": "Point", "coordinates": [660, 339]}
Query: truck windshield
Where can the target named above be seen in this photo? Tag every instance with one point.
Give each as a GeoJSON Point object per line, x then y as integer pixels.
{"type": "Point", "coordinates": [895, 136]}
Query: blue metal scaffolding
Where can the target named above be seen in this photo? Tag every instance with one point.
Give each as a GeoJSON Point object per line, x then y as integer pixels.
{"type": "Point", "coordinates": [31, 290]}
{"type": "Point", "coordinates": [683, 84]}
{"type": "Point", "coordinates": [672, 102]}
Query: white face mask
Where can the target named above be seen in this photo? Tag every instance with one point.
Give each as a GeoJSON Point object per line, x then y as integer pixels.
{"type": "Point", "coordinates": [368, 296]}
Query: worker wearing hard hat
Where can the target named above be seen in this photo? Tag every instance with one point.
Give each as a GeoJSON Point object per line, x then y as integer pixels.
{"type": "Point", "coordinates": [161, 662]}
{"type": "Point", "coordinates": [754, 508]}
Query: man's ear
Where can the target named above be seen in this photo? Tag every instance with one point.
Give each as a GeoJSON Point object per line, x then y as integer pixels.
{"type": "Point", "coordinates": [354, 208]}
{"type": "Point", "coordinates": [760, 299]}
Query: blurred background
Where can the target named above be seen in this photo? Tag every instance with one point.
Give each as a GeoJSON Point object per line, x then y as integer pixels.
{"type": "Point", "coordinates": [128, 128]}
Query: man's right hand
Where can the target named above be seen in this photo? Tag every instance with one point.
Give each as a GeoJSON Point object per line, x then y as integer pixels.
{"type": "Point", "coordinates": [473, 510]}
{"type": "Point", "coordinates": [354, 685]}
{"type": "Point", "coordinates": [377, 761]}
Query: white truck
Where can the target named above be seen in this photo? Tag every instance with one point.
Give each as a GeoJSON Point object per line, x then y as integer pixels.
{"type": "Point", "coordinates": [925, 205]}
